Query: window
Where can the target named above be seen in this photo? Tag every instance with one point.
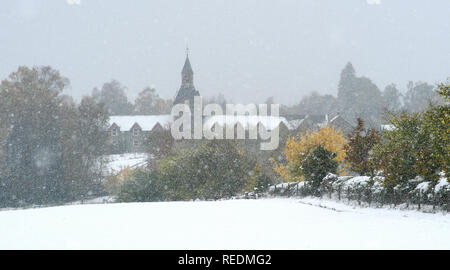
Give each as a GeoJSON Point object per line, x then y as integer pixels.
{"type": "Point", "coordinates": [135, 142]}
{"type": "Point", "coordinates": [135, 131]}
{"type": "Point", "coordinates": [114, 132]}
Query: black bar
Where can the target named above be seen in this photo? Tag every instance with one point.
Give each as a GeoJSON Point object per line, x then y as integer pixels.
{"type": "Point", "coordinates": [222, 259]}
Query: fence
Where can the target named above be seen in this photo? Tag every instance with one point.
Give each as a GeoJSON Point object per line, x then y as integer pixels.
{"type": "Point", "coordinates": [369, 190]}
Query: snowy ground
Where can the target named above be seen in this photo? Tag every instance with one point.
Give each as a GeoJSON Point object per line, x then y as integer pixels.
{"type": "Point", "coordinates": [234, 224]}
{"type": "Point", "coordinates": [117, 162]}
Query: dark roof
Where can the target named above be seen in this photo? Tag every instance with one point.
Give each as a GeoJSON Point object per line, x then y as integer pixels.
{"type": "Point", "coordinates": [187, 69]}
{"type": "Point", "coordinates": [186, 92]}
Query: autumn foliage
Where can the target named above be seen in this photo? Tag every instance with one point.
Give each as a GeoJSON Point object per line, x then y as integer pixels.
{"type": "Point", "coordinates": [297, 149]}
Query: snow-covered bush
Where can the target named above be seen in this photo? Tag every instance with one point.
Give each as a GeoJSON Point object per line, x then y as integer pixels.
{"type": "Point", "coordinates": [442, 192]}
{"type": "Point", "coordinates": [417, 191]}
{"type": "Point", "coordinates": [423, 187]}
{"type": "Point", "coordinates": [327, 183]}
{"type": "Point", "coordinates": [284, 189]}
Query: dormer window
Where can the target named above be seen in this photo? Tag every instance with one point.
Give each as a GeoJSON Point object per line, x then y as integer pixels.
{"type": "Point", "coordinates": [135, 131]}
{"type": "Point", "coordinates": [114, 132]}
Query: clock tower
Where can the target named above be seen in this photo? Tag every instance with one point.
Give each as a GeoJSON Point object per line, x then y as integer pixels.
{"type": "Point", "coordinates": [187, 90]}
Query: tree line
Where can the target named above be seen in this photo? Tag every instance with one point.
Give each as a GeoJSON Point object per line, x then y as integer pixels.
{"type": "Point", "coordinates": [52, 148]}
{"type": "Point", "coordinates": [49, 146]}
{"type": "Point", "coordinates": [409, 162]}
{"type": "Point", "coordinates": [359, 97]}
{"type": "Point", "coordinates": [148, 102]}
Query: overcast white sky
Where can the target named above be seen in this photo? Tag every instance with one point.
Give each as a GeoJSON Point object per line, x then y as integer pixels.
{"type": "Point", "coordinates": [246, 49]}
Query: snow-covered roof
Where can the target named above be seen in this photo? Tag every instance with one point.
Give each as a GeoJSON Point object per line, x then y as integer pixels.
{"type": "Point", "coordinates": [269, 122]}
{"type": "Point", "coordinates": [146, 122]}
{"type": "Point", "coordinates": [296, 123]}
{"type": "Point", "coordinates": [334, 118]}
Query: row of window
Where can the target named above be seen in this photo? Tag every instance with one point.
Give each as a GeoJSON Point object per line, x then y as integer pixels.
{"type": "Point", "coordinates": [114, 132]}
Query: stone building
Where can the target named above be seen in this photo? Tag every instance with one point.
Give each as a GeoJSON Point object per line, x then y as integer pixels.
{"type": "Point", "coordinates": [128, 133]}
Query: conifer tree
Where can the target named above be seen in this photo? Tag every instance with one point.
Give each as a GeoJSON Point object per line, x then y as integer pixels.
{"type": "Point", "coordinates": [437, 123]}
{"type": "Point", "coordinates": [317, 165]}
{"type": "Point", "coordinates": [358, 148]}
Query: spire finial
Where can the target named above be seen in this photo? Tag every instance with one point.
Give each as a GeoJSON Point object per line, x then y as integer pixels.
{"type": "Point", "coordinates": [187, 50]}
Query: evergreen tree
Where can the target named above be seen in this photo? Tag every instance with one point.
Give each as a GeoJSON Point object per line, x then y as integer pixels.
{"type": "Point", "coordinates": [345, 87]}
{"type": "Point", "coordinates": [437, 123]}
{"type": "Point", "coordinates": [406, 151]}
{"type": "Point", "coordinates": [359, 97]}
{"type": "Point", "coordinates": [358, 148]}
{"type": "Point", "coordinates": [317, 165]}
{"type": "Point", "coordinates": [258, 181]}
{"type": "Point", "coordinates": [263, 182]}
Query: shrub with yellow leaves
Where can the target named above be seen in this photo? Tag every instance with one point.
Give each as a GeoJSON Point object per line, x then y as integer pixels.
{"type": "Point", "coordinates": [297, 149]}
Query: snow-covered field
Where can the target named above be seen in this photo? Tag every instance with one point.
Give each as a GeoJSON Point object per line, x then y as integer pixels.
{"type": "Point", "coordinates": [115, 163]}
{"type": "Point", "coordinates": [233, 224]}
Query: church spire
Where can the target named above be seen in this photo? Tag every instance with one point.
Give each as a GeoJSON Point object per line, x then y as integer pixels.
{"type": "Point", "coordinates": [187, 90]}
{"type": "Point", "coordinates": [187, 69]}
{"type": "Point", "coordinates": [187, 74]}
